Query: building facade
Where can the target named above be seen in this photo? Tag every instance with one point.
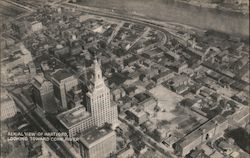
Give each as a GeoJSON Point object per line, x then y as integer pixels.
{"type": "Point", "coordinates": [8, 106]}
{"type": "Point", "coordinates": [209, 131]}
{"type": "Point", "coordinates": [76, 120]}
{"type": "Point", "coordinates": [43, 94]}
{"type": "Point", "coordinates": [97, 143]}
{"type": "Point", "coordinates": [98, 111]}
{"type": "Point", "coordinates": [63, 82]}
{"type": "Point", "coordinates": [98, 100]}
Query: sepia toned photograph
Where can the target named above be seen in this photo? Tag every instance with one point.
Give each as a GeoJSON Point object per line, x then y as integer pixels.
{"type": "Point", "coordinates": [124, 79]}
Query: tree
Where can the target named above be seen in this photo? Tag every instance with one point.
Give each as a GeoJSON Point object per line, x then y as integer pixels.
{"type": "Point", "coordinates": [156, 135]}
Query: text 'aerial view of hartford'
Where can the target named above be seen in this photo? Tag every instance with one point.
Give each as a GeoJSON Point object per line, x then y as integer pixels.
{"type": "Point", "coordinates": [124, 79]}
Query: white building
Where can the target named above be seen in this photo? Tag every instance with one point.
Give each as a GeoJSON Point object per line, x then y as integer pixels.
{"type": "Point", "coordinates": [75, 120]}
{"type": "Point", "coordinates": [36, 26]}
{"type": "Point", "coordinates": [8, 106]}
{"type": "Point", "coordinates": [99, 102]}
{"type": "Point", "coordinates": [97, 143]}
{"type": "Point", "coordinates": [99, 109]}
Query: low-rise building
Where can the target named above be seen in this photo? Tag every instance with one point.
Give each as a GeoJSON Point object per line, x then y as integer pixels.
{"type": "Point", "coordinates": [208, 131]}
{"type": "Point", "coordinates": [162, 77]}
{"type": "Point", "coordinates": [179, 67]}
{"type": "Point", "coordinates": [36, 26]}
{"type": "Point", "coordinates": [126, 152]}
{"type": "Point", "coordinates": [118, 93]}
{"type": "Point", "coordinates": [75, 120]}
{"type": "Point", "coordinates": [179, 84]}
{"type": "Point", "coordinates": [138, 115]}
{"type": "Point", "coordinates": [16, 55]}
{"type": "Point", "coordinates": [75, 97]}
{"type": "Point", "coordinates": [147, 102]}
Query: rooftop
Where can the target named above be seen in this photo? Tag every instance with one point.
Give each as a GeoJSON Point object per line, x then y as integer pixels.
{"type": "Point", "coordinates": [39, 81]}
{"type": "Point", "coordinates": [94, 135]}
{"type": "Point", "coordinates": [61, 75]}
{"type": "Point", "coordinates": [142, 97]}
{"type": "Point", "coordinates": [163, 74]}
{"type": "Point", "coordinates": [189, 138]}
{"type": "Point", "coordinates": [137, 111]}
{"type": "Point", "coordinates": [73, 116]}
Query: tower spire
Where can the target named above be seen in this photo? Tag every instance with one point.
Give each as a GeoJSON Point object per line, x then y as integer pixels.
{"type": "Point", "coordinates": [98, 71]}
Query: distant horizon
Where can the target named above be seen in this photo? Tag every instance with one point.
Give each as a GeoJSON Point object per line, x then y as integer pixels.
{"type": "Point", "coordinates": [165, 10]}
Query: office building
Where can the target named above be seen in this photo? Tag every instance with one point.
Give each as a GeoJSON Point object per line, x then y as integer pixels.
{"type": "Point", "coordinates": [43, 94]}
{"type": "Point", "coordinates": [98, 101]}
{"type": "Point", "coordinates": [98, 106]}
{"type": "Point", "coordinates": [63, 82]}
{"type": "Point", "coordinates": [75, 120]}
{"type": "Point", "coordinates": [8, 106]}
{"type": "Point", "coordinates": [97, 143]}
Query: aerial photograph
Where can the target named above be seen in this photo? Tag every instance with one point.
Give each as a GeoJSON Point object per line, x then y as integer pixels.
{"type": "Point", "coordinates": [124, 79]}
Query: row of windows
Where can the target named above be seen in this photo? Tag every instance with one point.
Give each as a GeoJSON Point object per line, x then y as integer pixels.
{"type": "Point", "coordinates": [104, 148]}
{"type": "Point", "coordinates": [103, 95]}
{"type": "Point", "coordinates": [88, 123]}
{"type": "Point", "coordinates": [7, 114]}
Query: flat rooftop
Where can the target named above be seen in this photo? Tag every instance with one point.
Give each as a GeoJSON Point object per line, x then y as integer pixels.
{"type": "Point", "coordinates": [61, 75]}
{"type": "Point", "coordinates": [142, 96]}
{"type": "Point", "coordinates": [73, 116]}
{"type": "Point", "coordinates": [189, 138]}
{"type": "Point", "coordinates": [137, 111]}
{"type": "Point", "coordinates": [39, 81]}
{"type": "Point", "coordinates": [94, 135]}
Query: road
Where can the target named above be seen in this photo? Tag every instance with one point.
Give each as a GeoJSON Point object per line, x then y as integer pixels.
{"type": "Point", "coordinates": [132, 19]}
{"type": "Point", "coordinates": [148, 140]}
{"type": "Point", "coordinates": [58, 147]}
{"type": "Point", "coordinates": [140, 37]}
{"type": "Point", "coordinates": [19, 5]}
{"type": "Point", "coordinates": [115, 32]}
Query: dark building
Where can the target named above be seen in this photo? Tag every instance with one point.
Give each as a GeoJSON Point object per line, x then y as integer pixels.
{"type": "Point", "coordinates": [43, 94]}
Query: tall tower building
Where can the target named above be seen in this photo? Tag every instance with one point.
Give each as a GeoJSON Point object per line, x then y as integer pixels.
{"type": "Point", "coordinates": [63, 82]}
{"type": "Point", "coordinates": [98, 101]}
{"type": "Point", "coordinates": [43, 93]}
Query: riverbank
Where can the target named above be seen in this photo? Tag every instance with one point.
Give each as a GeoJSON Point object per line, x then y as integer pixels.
{"type": "Point", "coordinates": [215, 6]}
{"type": "Point", "coordinates": [175, 12]}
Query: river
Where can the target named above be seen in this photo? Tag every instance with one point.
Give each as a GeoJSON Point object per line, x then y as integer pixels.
{"type": "Point", "coordinates": [173, 11]}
